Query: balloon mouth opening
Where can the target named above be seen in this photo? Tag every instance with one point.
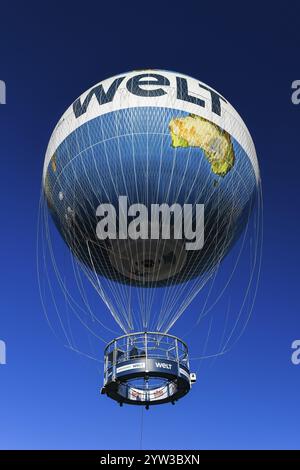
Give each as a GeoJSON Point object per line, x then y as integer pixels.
{"type": "Point", "coordinates": [148, 261]}
{"type": "Point", "coordinates": [146, 369]}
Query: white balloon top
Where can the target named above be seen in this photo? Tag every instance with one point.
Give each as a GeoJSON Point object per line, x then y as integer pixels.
{"type": "Point", "coordinates": [157, 88]}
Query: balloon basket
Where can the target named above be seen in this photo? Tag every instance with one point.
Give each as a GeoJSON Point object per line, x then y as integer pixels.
{"type": "Point", "coordinates": [146, 369]}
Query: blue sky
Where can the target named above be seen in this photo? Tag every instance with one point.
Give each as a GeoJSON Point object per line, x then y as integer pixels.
{"type": "Point", "coordinates": [50, 53]}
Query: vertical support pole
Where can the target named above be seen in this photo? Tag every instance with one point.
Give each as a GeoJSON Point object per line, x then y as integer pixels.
{"type": "Point", "coordinates": [127, 348]}
{"type": "Point", "coordinates": [177, 356]}
{"type": "Point", "coordinates": [105, 367]}
{"type": "Point", "coordinates": [146, 351]}
{"type": "Point", "coordinates": [187, 358]}
{"type": "Point", "coordinates": [114, 360]}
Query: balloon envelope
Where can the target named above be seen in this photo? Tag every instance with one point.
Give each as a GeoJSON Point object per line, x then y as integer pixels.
{"type": "Point", "coordinates": [152, 137]}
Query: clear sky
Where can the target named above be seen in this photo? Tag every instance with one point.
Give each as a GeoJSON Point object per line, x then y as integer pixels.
{"type": "Point", "coordinates": [50, 53]}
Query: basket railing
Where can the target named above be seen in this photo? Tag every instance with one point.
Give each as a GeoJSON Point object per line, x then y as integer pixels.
{"type": "Point", "coordinates": [146, 345]}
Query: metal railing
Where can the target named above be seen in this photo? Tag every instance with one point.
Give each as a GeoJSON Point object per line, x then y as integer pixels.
{"type": "Point", "coordinates": [148, 345]}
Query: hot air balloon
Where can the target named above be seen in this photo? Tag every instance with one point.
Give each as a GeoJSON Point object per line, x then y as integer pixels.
{"type": "Point", "coordinates": [150, 178]}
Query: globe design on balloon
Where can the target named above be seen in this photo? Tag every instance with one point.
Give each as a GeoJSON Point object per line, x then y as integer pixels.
{"type": "Point", "coordinates": [150, 137]}
{"type": "Point", "coordinates": [129, 158]}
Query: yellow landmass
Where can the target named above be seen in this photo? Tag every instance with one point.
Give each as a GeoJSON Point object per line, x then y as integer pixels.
{"type": "Point", "coordinates": [53, 162]}
{"type": "Point", "coordinates": [195, 131]}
